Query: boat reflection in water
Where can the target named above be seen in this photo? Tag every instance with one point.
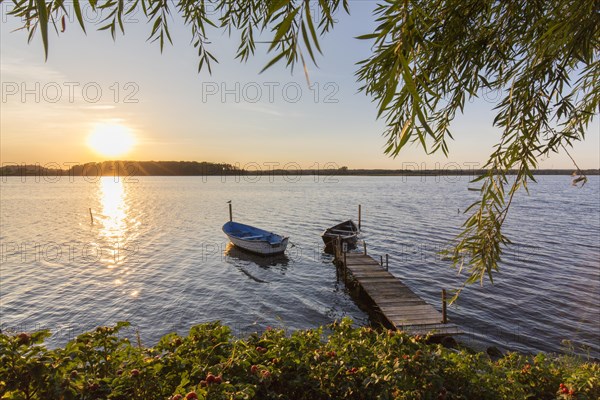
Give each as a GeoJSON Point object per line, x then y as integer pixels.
{"type": "Point", "coordinates": [245, 261]}
{"type": "Point", "coordinates": [274, 260]}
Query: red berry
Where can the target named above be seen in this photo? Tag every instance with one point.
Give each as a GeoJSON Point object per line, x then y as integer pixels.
{"type": "Point", "coordinates": [210, 378]}
{"type": "Point", "coordinates": [260, 349]}
{"type": "Point", "coordinates": [571, 392]}
{"type": "Point", "coordinates": [135, 372]}
{"type": "Point", "coordinates": [23, 338]}
{"type": "Point", "coordinates": [218, 379]}
{"type": "Point", "coordinates": [266, 374]}
{"type": "Point", "coordinates": [176, 397]}
{"type": "Point", "coordinates": [254, 369]}
{"type": "Point", "coordinates": [191, 395]}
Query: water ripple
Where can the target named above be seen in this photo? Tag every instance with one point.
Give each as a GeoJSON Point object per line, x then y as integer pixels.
{"type": "Point", "coordinates": [156, 256]}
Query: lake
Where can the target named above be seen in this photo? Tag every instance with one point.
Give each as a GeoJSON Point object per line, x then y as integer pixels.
{"type": "Point", "coordinates": [156, 256]}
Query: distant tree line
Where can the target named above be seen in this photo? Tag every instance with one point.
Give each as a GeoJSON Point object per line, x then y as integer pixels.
{"type": "Point", "coordinates": [125, 168]}
{"type": "Point", "coordinates": [194, 168]}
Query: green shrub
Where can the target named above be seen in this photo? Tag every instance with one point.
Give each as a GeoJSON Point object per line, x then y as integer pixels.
{"type": "Point", "coordinates": [336, 361]}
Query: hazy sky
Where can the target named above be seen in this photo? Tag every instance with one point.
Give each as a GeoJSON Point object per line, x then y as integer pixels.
{"type": "Point", "coordinates": [49, 109]}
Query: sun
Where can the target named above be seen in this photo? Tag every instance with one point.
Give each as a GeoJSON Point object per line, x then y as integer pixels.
{"type": "Point", "coordinates": [111, 139]}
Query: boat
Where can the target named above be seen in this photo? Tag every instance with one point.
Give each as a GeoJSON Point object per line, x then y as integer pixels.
{"type": "Point", "coordinates": [347, 231]}
{"type": "Point", "coordinates": [254, 239]}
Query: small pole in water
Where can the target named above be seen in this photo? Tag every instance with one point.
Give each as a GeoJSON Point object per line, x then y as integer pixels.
{"type": "Point", "coordinates": [387, 262]}
{"type": "Point", "coordinates": [444, 316]}
{"type": "Point", "coordinates": [230, 211]}
{"type": "Point", "coordinates": [381, 260]}
{"type": "Point", "coordinates": [91, 216]}
{"type": "Point", "coordinates": [359, 216]}
{"type": "Point", "coordinates": [365, 247]}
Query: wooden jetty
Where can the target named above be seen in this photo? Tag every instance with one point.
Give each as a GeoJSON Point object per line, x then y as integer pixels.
{"type": "Point", "coordinates": [399, 306]}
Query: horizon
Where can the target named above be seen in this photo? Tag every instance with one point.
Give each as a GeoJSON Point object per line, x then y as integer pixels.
{"type": "Point", "coordinates": [266, 167]}
{"type": "Point", "coordinates": [115, 166]}
{"type": "Point", "coordinates": [81, 104]}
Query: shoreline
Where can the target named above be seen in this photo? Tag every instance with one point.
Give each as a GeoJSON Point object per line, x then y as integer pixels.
{"type": "Point", "coordinates": [193, 168]}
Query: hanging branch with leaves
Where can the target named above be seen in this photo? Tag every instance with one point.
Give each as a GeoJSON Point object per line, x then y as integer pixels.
{"type": "Point", "coordinates": [428, 59]}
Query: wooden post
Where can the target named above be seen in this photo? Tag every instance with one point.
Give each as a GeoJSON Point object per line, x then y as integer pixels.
{"type": "Point", "coordinates": [381, 260]}
{"type": "Point", "coordinates": [387, 262]}
{"type": "Point", "coordinates": [230, 213]}
{"type": "Point", "coordinates": [364, 248]}
{"type": "Point", "coordinates": [91, 217]}
{"type": "Point", "coordinates": [345, 267]}
{"type": "Point", "coordinates": [345, 271]}
{"type": "Point", "coordinates": [359, 216]}
{"type": "Point", "coordinates": [444, 316]}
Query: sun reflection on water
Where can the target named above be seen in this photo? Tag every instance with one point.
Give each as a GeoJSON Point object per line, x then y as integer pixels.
{"type": "Point", "coordinates": [114, 207]}
{"type": "Point", "coordinates": [113, 232]}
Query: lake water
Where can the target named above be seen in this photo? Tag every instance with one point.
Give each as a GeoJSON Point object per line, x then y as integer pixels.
{"type": "Point", "coordinates": [156, 256]}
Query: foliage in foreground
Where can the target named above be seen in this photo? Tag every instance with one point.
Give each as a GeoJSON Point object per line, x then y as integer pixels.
{"type": "Point", "coordinates": [337, 361]}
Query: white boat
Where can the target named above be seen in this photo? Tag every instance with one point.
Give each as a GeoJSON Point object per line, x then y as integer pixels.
{"type": "Point", "coordinates": [254, 239]}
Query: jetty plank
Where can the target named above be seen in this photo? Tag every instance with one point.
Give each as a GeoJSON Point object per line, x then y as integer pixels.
{"type": "Point", "coordinates": [395, 301]}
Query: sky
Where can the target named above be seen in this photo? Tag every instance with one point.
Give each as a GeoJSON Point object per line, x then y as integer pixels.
{"type": "Point", "coordinates": [91, 87]}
